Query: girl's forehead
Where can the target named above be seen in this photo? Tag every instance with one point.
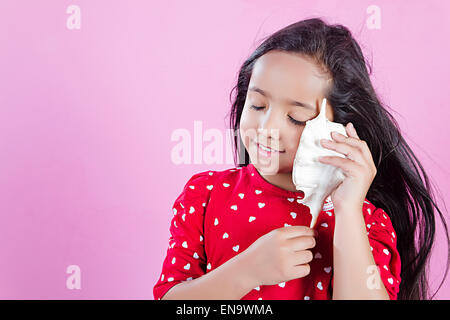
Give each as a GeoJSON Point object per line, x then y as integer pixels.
{"type": "Point", "coordinates": [288, 77]}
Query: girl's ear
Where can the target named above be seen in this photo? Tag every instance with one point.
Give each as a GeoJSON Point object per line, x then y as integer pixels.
{"type": "Point", "coordinates": [329, 113]}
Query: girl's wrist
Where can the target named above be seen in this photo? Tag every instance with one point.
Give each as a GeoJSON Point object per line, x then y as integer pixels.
{"type": "Point", "coordinates": [347, 211]}
{"type": "Point", "coordinates": [246, 276]}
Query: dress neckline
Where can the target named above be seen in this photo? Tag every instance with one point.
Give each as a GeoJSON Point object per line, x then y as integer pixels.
{"type": "Point", "coordinates": [263, 184]}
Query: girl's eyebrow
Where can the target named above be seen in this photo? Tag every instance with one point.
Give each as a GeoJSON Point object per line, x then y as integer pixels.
{"type": "Point", "coordinates": [289, 101]}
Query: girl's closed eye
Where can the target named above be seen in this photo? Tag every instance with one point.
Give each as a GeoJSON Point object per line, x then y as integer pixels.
{"type": "Point", "coordinates": [256, 107]}
{"type": "Point", "coordinates": [296, 122]}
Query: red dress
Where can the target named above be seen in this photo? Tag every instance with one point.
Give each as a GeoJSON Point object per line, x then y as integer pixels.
{"type": "Point", "coordinates": [220, 213]}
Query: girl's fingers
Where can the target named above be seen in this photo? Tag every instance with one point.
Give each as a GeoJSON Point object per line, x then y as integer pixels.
{"type": "Point", "coordinates": [348, 166]}
{"type": "Point", "coordinates": [353, 140]}
{"type": "Point", "coordinates": [351, 131]}
{"type": "Point", "coordinates": [348, 150]}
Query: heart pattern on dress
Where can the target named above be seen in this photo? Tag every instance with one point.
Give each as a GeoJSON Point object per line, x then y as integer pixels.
{"type": "Point", "coordinates": [319, 285]}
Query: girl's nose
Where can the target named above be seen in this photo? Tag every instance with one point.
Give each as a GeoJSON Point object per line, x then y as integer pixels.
{"type": "Point", "coordinates": [270, 125]}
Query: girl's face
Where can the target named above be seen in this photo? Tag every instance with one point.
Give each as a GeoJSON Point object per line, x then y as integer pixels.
{"type": "Point", "coordinates": [285, 90]}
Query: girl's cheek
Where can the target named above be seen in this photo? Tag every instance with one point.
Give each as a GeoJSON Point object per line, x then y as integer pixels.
{"type": "Point", "coordinates": [248, 127]}
{"type": "Point", "coordinates": [295, 138]}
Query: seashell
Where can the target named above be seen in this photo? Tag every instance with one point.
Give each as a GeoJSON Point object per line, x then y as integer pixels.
{"type": "Point", "coordinates": [317, 180]}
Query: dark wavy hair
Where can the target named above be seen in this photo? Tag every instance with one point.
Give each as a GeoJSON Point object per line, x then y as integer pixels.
{"type": "Point", "coordinates": [401, 186]}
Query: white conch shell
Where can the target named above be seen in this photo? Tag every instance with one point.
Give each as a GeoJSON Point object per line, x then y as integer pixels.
{"type": "Point", "coordinates": [317, 180]}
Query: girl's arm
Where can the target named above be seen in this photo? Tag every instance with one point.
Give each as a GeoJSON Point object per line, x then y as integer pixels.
{"type": "Point", "coordinates": [356, 276]}
{"type": "Point", "coordinates": [230, 281]}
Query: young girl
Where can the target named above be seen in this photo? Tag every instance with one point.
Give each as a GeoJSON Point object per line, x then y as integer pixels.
{"type": "Point", "coordinates": [243, 233]}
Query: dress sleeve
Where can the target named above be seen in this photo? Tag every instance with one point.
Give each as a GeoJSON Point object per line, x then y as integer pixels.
{"type": "Point", "coordinates": [383, 243]}
{"type": "Point", "coordinates": [185, 258]}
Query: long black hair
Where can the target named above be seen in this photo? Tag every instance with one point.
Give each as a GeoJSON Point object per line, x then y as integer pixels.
{"type": "Point", "coordinates": [401, 186]}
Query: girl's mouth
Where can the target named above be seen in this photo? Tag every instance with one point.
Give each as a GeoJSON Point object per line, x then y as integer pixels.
{"type": "Point", "coordinates": [266, 151]}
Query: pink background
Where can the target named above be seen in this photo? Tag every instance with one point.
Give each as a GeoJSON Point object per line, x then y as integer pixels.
{"type": "Point", "coordinates": [86, 118]}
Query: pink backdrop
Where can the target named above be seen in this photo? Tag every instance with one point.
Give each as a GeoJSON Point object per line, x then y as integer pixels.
{"type": "Point", "coordinates": [87, 114]}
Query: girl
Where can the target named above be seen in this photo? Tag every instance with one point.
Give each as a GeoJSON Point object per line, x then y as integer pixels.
{"type": "Point", "coordinates": [242, 233]}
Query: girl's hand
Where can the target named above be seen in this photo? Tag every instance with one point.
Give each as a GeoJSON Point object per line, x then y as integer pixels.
{"type": "Point", "coordinates": [358, 167]}
{"type": "Point", "coordinates": [280, 255]}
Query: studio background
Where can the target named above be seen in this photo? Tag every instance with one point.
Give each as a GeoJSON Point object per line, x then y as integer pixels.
{"type": "Point", "coordinates": [88, 108]}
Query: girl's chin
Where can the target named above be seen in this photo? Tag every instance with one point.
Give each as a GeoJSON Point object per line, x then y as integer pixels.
{"type": "Point", "coordinates": [267, 167]}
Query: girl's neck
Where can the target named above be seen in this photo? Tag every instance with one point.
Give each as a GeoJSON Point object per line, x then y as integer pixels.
{"type": "Point", "coordinates": [280, 180]}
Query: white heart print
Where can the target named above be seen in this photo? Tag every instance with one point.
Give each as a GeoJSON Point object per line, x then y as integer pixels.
{"type": "Point", "coordinates": [225, 235]}
{"type": "Point", "coordinates": [293, 215]}
{"type": "Point", "coordinates": [261, 204]}
{"type": "Point", "coordinates": [236, 248]}
{"type": "Point", "coordinates": [319, 285]}
{"type": "Point", "coordinates": [251, 219]}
